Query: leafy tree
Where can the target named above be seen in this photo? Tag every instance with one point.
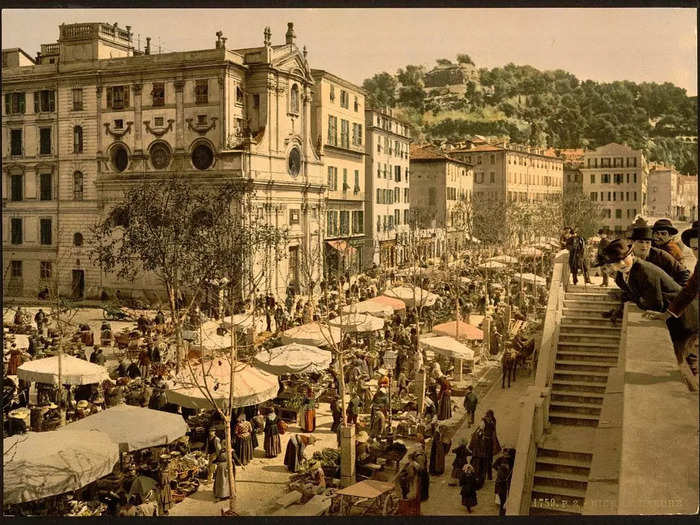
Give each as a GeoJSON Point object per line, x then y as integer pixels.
{"type": "Point", "coordinates": [580, 212]}
{"type": "Point", "coordinates": [381, 88]}
{"type": "Point", "coordinates": [463, 58]}
{"type": "Point", "coordinates": [411, 76]}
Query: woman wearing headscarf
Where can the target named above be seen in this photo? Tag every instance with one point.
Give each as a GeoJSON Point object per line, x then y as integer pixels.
{"type": "Point", "coordinates": [439, 447]}
{"type": "Point", "coordinates": [444, 399]}
{"type": "Point", "coordinates": [468, 483]}
{"type": "Point", "coordinates": [309, 405]}
{"type": "Point", "coordinates": [221, 478]}
{"type": "Point", "coordinates": [491, 444]}
{"type": "Point", "coordinates": [461, 454]}
{"type": "Point", "coordinates": [243, 440]}
{"type": "Point", "coordinates": [272, 443]}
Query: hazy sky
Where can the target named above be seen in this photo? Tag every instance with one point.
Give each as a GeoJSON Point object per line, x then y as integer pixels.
{"type": "Point", "coordinates": [657, 45]}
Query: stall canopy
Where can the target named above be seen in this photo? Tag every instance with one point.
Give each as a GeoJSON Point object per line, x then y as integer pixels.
{"type": "Point", "coordinates": [357, 323]}
{"type": "Point", "coordinates": [313, 334]}
{"type": "Point", "coordinates": [369, 307]}
{"type": "Point", "coordinates": [529, 251]}
{"type": "Point", "coordinates": [293, 359]}
{"type": "Point", "coordinates": [210, 339]}
{"type": "Point", "coordinates": [503, 259]}
{"type": "Point", "coordinates": [449, 347]}
{"type": "Point", "coordinates": [74, 371]}
{"type": "Point", "coordinates": [198, 386]}
{"type": "Point", "coordinates": [132, 427]}
{"type": "Point", "coordinates": [41, 464]}
{"type": "Point", "coordinates": [492, 265]}
{"type": "Point", "coordinates": [396, 304]}
{"type": "Point", "coordinates": [412, 295]}
{"type": "Point", "coordinates": [342, 246]}
{"type": "Point", "coordinates": [466, 331]}
{"type": "Point", "coordinates": [530, 278]}
{"type": "Point", "coordinates": [244, 321]}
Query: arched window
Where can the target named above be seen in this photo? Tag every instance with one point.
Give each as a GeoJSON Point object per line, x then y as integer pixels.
{"type": "Point", "coordinates": [77, 186]}
{"type": "Point", "coordinates": [294, 99]}
{"type": "Point", "coordinates": [77, 139]}
{"type": "Point", "coordinates": [77, 239]}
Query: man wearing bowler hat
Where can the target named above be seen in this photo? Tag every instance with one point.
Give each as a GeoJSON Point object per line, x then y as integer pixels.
{"type": "Point", "coordinates": [641, 245]}
{"type": "Point", "coordinates": [663, 232]}
{"type": "Point", "coordinates": [653, 289]}
{"type": "Point", "coordinates": [604, 241]}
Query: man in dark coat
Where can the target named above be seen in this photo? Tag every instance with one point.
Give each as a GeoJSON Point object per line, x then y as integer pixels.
{"type": "Point", "coordinates": [604, 241]}
{"type": "Point", "coordinates": [502, 485]}
{"type": "Point", "coordinates": [664, 230]}
{"type": "Point", "coordinates": [477, 446]}
{"type": "Point", "coordinates": [491, 443]}
{"type": "Point", "coordinates": [652, 289]}
{"type": "Point", "coordinates": [470, 402]}
{"type": "Point", "coordinates": [506, 365]}
{"type": "Point", "coordinates": [641, 245]}
{"type": "Point", "coordinates": [577, 256]}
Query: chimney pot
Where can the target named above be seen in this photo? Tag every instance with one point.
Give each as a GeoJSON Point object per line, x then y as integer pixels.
{"type": "Point", "coordinates": [148, 45]}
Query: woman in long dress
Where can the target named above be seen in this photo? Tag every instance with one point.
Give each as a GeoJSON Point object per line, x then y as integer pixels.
{"type": "Point", "coordinates": [272, 443]}
{"type": "Point", "coordinates": [309, 422]}
{"type": "Point", "coordinates": [468, 483]}
{"type": "Point", "coordinates": [441, 443]}
{"type": "Point", "coordinates": [221, 479]}
{"type": "Point", "coordinates": [244, 440]}
{"type": "Point", "coordinates": [445, 399]}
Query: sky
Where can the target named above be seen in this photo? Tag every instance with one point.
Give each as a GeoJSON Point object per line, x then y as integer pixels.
{"type": "Point", "coordinates": [653, 45]}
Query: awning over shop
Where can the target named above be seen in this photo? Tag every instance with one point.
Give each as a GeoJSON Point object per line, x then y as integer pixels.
{"type": "Point", "coordinates": [342, 246]}
{"type": "Point", "coordinates": [74, 371]}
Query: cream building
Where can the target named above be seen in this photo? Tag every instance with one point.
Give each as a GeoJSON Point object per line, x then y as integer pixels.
{"type": "Point", "coordinates": [688, 197]}
{"type": "Point", "coordinates": [664, 191]}
{"type": "Point", "coordinates": [337, 126]}
{"type": "Point", "coordinates": [616, 176]}
{"type": "Point", "coordinates": [75, 138]}
{"type": "Point", "coordinates": [387, 195]}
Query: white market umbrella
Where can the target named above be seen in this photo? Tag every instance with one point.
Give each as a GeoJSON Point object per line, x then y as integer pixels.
{"type": "Point", "coordinates": [530, 278]}
{"type": "Point", "coordinates": [412, 295]}
{"type": "Point", "coordinates": [210, 339]}
{"type": "Point", "coordinates": [529, 251]}
{"type": "Point", "coordinates": [492, 265]}
{"type": "Point", "coordinates": [244, 321]}
{"type": "Point", "coordinates": [20, 340]}
{"type": "Point", "coordinates": [449, 347]}
{"type": "Point", "coordinates": [357, 323]}
{"type": "Point", "coordinates": [313, 334]}
{"type": "Point", "coordinates": [41, 464]}
{"type": "Point", "coordinates": [369, 307]}
{"type": "Point", "coordinates": [74, 371]}
{"type": "Point", "coordinates": [196, 387]}
{"type": "Point", "coordinates": [293, 359]}
{"type": "Point", "coordinates": [132, 427]}
{"type": "Point", "coordinates": [504, 259]}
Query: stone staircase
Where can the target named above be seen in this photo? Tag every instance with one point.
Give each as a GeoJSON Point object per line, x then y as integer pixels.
{"type": "Point", "coordinates": [587, 347]}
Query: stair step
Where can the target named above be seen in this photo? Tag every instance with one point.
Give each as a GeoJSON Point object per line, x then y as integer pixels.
{"type": "Point", "coordinates": [593, 365]}
{"type": "Point", "coordinates": [543, 465]}
{"type": "Point", "coordinates": [576, 316]}
{"type": "Point", "coordinates": [576, 300]}
{"type": "Point", "coordinates": [587, 357]}
{"type": "Point", "coordinates": [575, 407]}
{"type": "Point", "coordinates": [597, 375]}
{"type": "Point", "coordinates": [568, 457]}
{"type": "Point", "coordinates": [562, 476]}
{"type": "Point", "coordinates": [559, 491]}
{"type": "Point", "coordinates": [569, 396]}
{"type": "Point", "coordinates": [604, 337]}
{"type": "Point", "coordinates": [564, 326]}
{"type": "Point", "coordinates": [589, 345]}
{"type": "Point", "coordinates": [573, 418]}
{"type": "Point", "coordinates": [581, 386]}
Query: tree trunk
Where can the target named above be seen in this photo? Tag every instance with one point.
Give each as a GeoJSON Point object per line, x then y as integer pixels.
{"type": "Point", "coordinates": [229, 459]}
{"type": "Point", "coordinates": [177, 324]}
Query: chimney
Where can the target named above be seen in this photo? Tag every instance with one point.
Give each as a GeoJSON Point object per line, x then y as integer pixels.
{"type": "Point", "coordinates": [148, 45]}
{"type": "Point", "coordinates": [290, 36]}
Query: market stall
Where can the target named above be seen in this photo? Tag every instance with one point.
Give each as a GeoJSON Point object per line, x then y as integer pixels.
{"type": "Point", "coordinates": [412, 295]}
{"type": "Point", "coordinates": [293, 358]}
{"type": "Point", "coordinates": [369, 307]}
{"type": "Point", "coordinates": [459, 330]}
{"type": "Point", "coordinates": [74, 371]}
{"type": "Point", "coordinates": [530, 278]}
{"type": "Point", "coordinates": [450, 347]}
{"type": "Point", "coordinates": [492, 265]}
{"type": "Point", "coordinates": [357, 322]}
{"type": "Point", "coordinates": [314, 334]}
{"type": "Point", "coordinates": [529, 251]}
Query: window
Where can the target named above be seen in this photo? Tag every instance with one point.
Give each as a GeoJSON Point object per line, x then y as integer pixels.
{"type": "Point", "coordinates": [77, 139]}
{"type": "Point", "coordinates": [605, 178]}
{"type": "Point", "coordinates": [77, 186]}
{"type": "Point", "coordinates": [405, 216]}
{"type": "Point", "coordinates": [357, 134]}
{"type": "Point", "coordinates": [293, 216]}
{"type": "Point", "coordinates": [332, 178]}
{"type": "Point", "coordinates": [158, 94]}
{"type": "Point", "coordinates": [344, 99]}
{"type": "Point", "coordinates": [16, 187]}
{"type": "Point", "coordinates": [16, 142]}
{"type": "Point", "coordinates": [618, 213]}
{"type": "Point", "coordinates": [77, 239]}
{"type": "Point", "coordinates": [332, 95]}
{"type": "Point", "coordinates": [594, 196]}
{"type": "Point", "coordinates": [332, 130]}
{"type": "Point", "coordinates": [356, 189]}
{"type": "Point", "coordinates": [431, 196]}
{"type": "Point", "coordinates": [493, 159]}
{"type": "Point", "coordinates": [614, 193]}
{"type": "Point", "coordinates": [627, 195]}
{"type": "Point", "coordinates": [45, 231]}
{"type": "Point", "coordinates": [256, 101]}
{"type": "Point", "coordinates": [379, 223]}
{"type": "Point", "coordinates": [45, 269]}
{"type": "Point", "coordinates": [608, 196]}
{"type": "Point", "coordinates": [120, 158]}
{"type": "Point", "coordinates": [344, 222]}
{"type": "Point", "coordinates": [619, 178]}
{"type": "Point", "coordinates": [45, 187]}
{"type": "Point", "coordinates": [406, 195]}
{"type": "Point", "coordinates": [77, 99]}
{"type": "Point", "coordinates": [346, 186]}
{"type": "Point", "coordinates": [16, 269]}
{"type": "Point", "coordinates": [44, 101]}
{"type": "Point", "coordinates": [379, 196]}
{"type": "Point", "coordinates": [358, 222]}
{"type": "Point", "coordinates": [635, 178]}
{"type": "Point", "coordinates": [357, 105]}
{"type": "Point", "coordinates": [239, 95]}
{"type": "Point", "coordinates": [397, 173]}
{"type": "Point", "coordinates": [397, 195]}
{"type": "Point", "coordinates": [294, 99]}
{"type": "Point", "coordinates": [118, 124]}
{"type": "Point", "coordinates": [16, 226]}
{"type": "Point", "coordinates": [117, 97]}
{"type": "Point", "coordinates": [397, 217]}
{"type": "Point", "coordinates": [492, 177]}
{"type": "Point", "coordinates": [635, 198]}
{"type": "Point", "coordinates": [332, 218]}
{"type": "Point", "coordinates": [201, 91]}
{"type": "Point", "coordinates": [202, 157]}
{"type": "Point", "coordinates": [344, 133]}
{"type": "Point", "coordinates": [14, 103]}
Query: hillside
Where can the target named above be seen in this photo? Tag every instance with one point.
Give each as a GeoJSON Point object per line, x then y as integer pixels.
{"type": "Point", "coordinates": [541, 108]}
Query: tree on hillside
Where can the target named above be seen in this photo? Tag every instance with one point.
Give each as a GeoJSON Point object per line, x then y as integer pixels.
{"type": "Point", "coordinates": [463, 58]}
{"type": "Point", "coordinates": [381, 89]}
{"type": "Point", "coordinates": [412, 97]}
{"type": "Point", "coordinates": [411, 75]}
{"type": "Point", "coordinates": [443, 62]}
{"type": "Point", "coordinates": [580, 212]}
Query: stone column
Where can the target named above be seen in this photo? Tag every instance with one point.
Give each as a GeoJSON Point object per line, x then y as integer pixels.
{"type": "Point", "coordinates": [419, 386]}
{"type": "Point", "coordinates": [100, 133]}
{"type": "Point", "coordinates": [180, 117]}
{"type": "Point", "coordinates": [138, 137]}
{"type": "Point", "coordinates": [347, 455]}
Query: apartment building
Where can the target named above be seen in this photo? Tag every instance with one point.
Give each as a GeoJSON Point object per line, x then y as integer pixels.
{"type": "Point", "coordinates": [616, 176]}
{"type": "Point", "coordinates": [441, 191]}
{"type": "Point", "coordinates": [664, 191]}
{"type": "Point", "coordinates": [91, 115]}
{"type": "Point", "coordinates": [688, 198]}
{"type": "Point", "coordinates": [337, 126]}
{"type": "Point", "coordinates": [387, 195]}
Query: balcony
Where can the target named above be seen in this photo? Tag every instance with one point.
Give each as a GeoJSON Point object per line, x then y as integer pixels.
{"type": "Point", "coordinates": [49, 49]}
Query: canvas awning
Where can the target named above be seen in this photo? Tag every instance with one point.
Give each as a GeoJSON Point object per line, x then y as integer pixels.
{"type": "Point", "coordinates": [342, 246]}
{"type": "Point", "coordinates": [466, 330]}
{"type": "Point", "coordinates": [133, 427]}
{"type": "Point", "coordinates": [74, 371]}
{"type": "Point", "coordinates": [312, 334]}
{"type": "Point", "coordinates": [412, 295]}
{"type": "Point", "coordinates": [449, 347]}
{"type": "Point", "coordinates": [530, 278]}
{"type": "Point", "coordinates": [41, 464]}
{"type": "Point", "coordinates": [356, 322]}
{"type": "Point", "coordinates": [293, 359]}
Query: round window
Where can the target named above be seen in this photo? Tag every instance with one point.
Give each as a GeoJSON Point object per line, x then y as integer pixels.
{"type": "Point", "coordinates": [294, 162]}
{"type": "Point", "coordinates": [160, 156]}
{"type": "Point", "coordinates": [202, 157]}
{"type": "Point", "coordinates": [77, 239]}
{"type": "Point", "coordinates": [120, 158]}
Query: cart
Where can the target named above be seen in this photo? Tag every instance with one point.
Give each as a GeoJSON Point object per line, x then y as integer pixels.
{"type": "Point", "coordinates": [114, 313]}
{"type": "Point", "coordinates": [369, 497]}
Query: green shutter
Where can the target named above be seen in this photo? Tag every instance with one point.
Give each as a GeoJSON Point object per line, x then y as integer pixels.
{"type": "Point", "coordinates": [109, 98]}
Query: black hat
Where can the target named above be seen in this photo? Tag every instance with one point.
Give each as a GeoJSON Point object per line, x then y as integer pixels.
{"type": "Point", "coordinates": [665, 224]}
{"type": "Point", "coordinates": [641, 233]}
{"type": "Point", "coordinates": [617, 250]}
{"type": "Point", "coordinates": [690, 233]}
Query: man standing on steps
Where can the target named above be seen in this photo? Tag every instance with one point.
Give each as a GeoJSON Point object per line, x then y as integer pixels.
{"type": "Point", "coordinates": [577, 256]}
{"type": "Point", "coordinates": [641, 245]}
{"type": "Point", "coordinates": [604, 241]}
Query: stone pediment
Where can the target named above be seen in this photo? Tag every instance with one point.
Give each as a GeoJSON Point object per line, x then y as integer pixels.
{"type": "Point", "coordinates": [292, 62]}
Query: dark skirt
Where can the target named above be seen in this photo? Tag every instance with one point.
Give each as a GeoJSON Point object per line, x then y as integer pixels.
{"type": "Point", "coordinates": [244, 449]}
{"type": "Point", "coordinates": [273, 445]}
{"type": "Point", "coordinates": [445, 407]}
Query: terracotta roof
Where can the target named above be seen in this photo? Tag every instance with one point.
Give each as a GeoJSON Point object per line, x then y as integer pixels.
{"type": "Point", "coordinates": [481, 147]}
{"type": "Point", "coordinates": [430, 152]}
